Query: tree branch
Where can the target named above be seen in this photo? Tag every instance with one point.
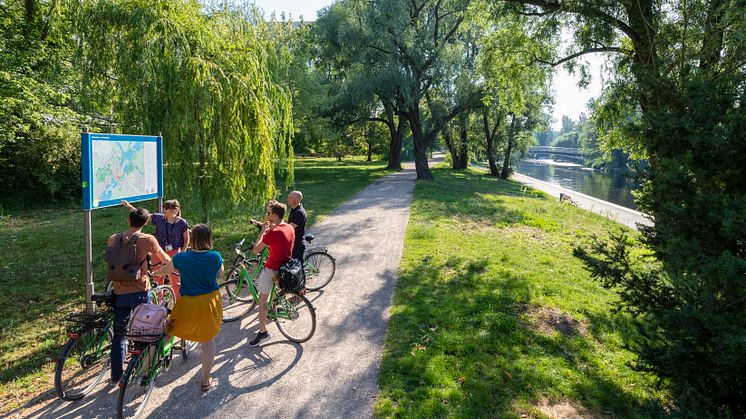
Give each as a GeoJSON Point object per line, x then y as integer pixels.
{"type": "Point", "coordinates": [578, 54]}
{"type": "Point", "coordinates": [554, 6]}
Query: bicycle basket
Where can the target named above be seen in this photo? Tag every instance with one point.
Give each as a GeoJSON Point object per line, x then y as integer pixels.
{"type": "Point", "coordinates": [83, 319]}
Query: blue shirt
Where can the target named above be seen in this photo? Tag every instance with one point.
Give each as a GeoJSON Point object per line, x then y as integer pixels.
{"type": "Point", "coordinates": [199, 271]}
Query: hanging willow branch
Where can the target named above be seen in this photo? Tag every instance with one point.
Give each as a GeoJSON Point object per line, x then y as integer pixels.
{"type": "Point", "coordinates": [201, 79]}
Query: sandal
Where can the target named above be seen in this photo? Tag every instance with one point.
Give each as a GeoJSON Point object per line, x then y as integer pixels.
{"type": "Point", "coordinates": [207, 387]}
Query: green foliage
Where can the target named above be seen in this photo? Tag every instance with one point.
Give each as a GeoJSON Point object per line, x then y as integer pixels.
{"type": "Point", "coordinates": [676, 98]}
{"type": "Point", "coordinates": [39, 140]}
{"type": "Point", "coordinates": [207, 81]}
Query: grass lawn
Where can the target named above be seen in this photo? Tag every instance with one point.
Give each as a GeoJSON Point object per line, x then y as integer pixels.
{"type": "Point", "coordinates": [42, 270]}
{"type": "Point", "coordinates": [493, 316]}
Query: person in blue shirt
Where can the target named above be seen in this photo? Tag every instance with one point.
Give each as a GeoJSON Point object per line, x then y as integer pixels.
{"type": "Point", "coordinates": [198, 314]}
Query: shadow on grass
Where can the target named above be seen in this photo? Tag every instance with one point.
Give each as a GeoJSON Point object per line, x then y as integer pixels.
{"type": "Point", "coordinates": [458, 344]}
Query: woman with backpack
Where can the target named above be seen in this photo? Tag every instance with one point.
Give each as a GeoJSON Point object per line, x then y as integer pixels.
{"type": "Point", "coordinates": [172, 232]}
{"type": "Point", "coordinates": [198, 314]}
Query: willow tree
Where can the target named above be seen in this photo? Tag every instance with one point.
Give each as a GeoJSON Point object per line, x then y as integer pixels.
{"type": "Point", "coordinates": [205, 80]}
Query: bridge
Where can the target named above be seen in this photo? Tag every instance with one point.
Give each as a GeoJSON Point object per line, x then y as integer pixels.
{"type": "Point", "coordinates": [563, 151]}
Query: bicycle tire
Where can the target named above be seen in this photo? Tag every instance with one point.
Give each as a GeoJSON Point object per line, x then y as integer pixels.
{"type": "Point", "coordinates": [233, 309]}
{"type": "Point", "coordinates": [302, 322]}
{"type": "Point", "coordinates": [136, 384]}
{"type": "Point", "coordinates": [319, 267]}
{"type": "Point", "coordinates": [186, 350]}
{"type": "Point", "coordinates": [92, 374]}
{"type": "Point", "coordinates": [234, 275]}
{"type": "Point", "coordinates": [164, 294]}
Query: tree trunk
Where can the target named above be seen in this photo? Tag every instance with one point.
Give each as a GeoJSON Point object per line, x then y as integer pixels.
{"type": "Point", "coordinates": [463, 161]}
{"type": "Point", "coordinates": [506, 162]}
{"type": "Point", "coordinates": [397, 136]}
{"type": "Point", "coordinates": [451, 149]}
{"type": "Point", "coordinates": [204, 200]}
{"type": "Point", "coordinates": [421, 143]}
{"type": "Point", "coordinates": [489, 137]}
{"type": "Point", "coordinates": [370, 151]}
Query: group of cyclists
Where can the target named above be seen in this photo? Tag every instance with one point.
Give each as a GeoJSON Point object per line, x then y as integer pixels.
{"type": "Point", "coordinates": [197, 313]}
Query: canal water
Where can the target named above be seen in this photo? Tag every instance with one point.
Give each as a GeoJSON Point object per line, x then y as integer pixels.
{"type": "Point", "coordinates": [614, 185]}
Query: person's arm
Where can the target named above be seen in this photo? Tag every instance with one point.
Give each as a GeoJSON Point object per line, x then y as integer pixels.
{"type": "Point", "coordinates": [220, 273]}
{"type": "Point", "coordinates": [259, 245]}
{"type": "Point", "coordinates": [185, 246]}
{"type": "Point", "coordinates": [165, 269]}
{"type": "Point", "coordinates": [162, 255]}
{"type": "Point", "coordinates": [128, 205]}
{"type": "Point", "coordinates": [132, 208]}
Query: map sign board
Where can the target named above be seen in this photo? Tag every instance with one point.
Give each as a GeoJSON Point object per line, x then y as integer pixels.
{"type": "Point", "coordinates": [117, 167]}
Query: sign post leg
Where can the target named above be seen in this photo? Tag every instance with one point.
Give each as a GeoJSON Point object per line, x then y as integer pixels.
{"type": "Point", "coordinates": [88, 262]}
{"type": "Point", "coordinates": [160, 205]}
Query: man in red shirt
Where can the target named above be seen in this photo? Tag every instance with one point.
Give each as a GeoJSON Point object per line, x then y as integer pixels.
{"type": "Point", "coordinates": [279, 237]}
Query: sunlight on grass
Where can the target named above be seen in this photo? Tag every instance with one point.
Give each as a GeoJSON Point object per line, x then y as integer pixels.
{"type": "Point", "coordinates": [492, 316]}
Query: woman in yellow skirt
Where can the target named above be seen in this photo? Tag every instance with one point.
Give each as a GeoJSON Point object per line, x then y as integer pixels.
{"type": "Point", "coordinates": [198, 314]}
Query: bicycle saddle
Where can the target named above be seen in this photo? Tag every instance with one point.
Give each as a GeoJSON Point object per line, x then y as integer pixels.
{"type": "Point", "coordinates": [103, 297]}
{"type": "Point", "coordinates": [308, 237]}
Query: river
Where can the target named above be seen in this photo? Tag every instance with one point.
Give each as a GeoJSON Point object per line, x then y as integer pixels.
{"type": "Point", "coordinates": [614, 185]}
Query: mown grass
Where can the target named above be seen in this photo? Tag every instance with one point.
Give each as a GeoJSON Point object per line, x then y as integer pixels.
{"type": "Point", "coordinates": [42, 271]}
{"type": "Point", "coordinates": [493, 316]}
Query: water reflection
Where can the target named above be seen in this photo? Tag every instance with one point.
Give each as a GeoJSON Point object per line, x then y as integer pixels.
{"type": "Point", "coordinates": [614, 186]}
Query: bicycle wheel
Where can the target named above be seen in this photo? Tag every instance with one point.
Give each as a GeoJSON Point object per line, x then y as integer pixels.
{"type": "Point", "coordinates": [244, 294]}
{"type": "Point", "coordinates": [295, 316]}
{"type": "Point", "coordinates": [137, 383]}
{"type": "Point", "coordinates": [233, 308]}
{"type": "Point", "coordinates": [164, 294]}
{"type": "Point", "coordinates": [186, 349]}
{"type": "Point", "coordinates": [319, 268]}
{"type": "Point", "coordinates": [83, 363]}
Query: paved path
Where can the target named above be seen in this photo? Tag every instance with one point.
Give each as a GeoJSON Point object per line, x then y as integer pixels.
{"type": "Point", "coordinates": [618, 213]}
{"type": "Point", "coordinates": [332, 375]}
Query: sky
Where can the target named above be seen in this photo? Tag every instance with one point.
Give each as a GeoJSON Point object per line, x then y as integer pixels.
{"type": "Point", "coordinates": [570, 99]}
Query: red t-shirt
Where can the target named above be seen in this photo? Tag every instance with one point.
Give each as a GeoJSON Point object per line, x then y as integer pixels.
{"type": "Point", "coordinates": [280, 242]}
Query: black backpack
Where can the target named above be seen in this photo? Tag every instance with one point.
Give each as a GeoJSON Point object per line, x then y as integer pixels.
{"type": "Point", "coordinates": [122, 259]}
{"type": "Point", "coordinates": [292, 277]}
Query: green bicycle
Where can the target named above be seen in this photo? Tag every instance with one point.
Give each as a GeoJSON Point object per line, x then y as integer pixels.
{"type": "Point", "coordinates": [148, 360]}
{"type": "Point", "coordinates": [85, 357]}
{"type": "Point", "coordinates": [293, 313]}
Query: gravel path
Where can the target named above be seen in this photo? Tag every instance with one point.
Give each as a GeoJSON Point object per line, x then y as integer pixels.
{"type": "Point", "coordinates": [332, 375]}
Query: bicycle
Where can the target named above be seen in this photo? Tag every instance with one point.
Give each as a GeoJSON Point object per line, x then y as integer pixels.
{"type": "Point", "coordinates": [288, 308]}
{"type": "Point", "coordinates": [318, 265]}
{"type": "Point", "coordinates": [148, 359]}
{"type": "Point", "coordinates": [85, 357]}
{"type": "Point", "coordinates": [150, 354]}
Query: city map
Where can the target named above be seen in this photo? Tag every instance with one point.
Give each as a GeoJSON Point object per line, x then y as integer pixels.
{"type": "Point", "coordinates": [123, 169]}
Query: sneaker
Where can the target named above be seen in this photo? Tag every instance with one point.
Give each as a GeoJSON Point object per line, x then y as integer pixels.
{"type": "Point", "coordinates": [259, 337]}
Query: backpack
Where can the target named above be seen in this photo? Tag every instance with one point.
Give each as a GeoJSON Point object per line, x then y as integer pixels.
{"type": "Point", "coordinates": [292, 276]}
{"type": "Point", "coordinates": [147, 322]}
{"type": "Point", "coordinates": [122, 259]}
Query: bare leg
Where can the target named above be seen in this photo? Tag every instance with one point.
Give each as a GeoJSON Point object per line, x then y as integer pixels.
{"type": "Point", "coordinates": [208, 357]}
{"type": "Point", "coordinates": [263, 312]}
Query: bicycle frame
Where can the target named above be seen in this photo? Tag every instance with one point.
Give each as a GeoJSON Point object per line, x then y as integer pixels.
{"type": "Point", "coordinates": [245, 277]}
{"type": "Point", "coordinates": [97, 343]}
{"type": "Point", "coordinates": [162, 351]}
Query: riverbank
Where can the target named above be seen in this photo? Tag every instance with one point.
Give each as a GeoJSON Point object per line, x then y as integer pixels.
{"type": "Point", "coordinates": [493, 317]}
{"type": "Point", "coordinates": [622, 215]}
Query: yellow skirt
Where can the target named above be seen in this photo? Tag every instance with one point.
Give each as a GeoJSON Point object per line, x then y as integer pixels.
{"type": "Point", "coordinates": [196, 318]}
